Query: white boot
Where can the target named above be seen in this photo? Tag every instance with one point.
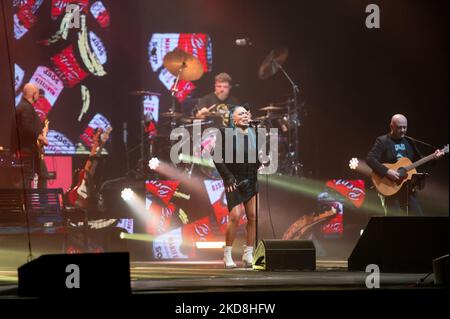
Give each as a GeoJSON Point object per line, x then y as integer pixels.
{"type": "Point", "coordinates": [227, 258]}
{"type": "Point", "coordinates": [247, 257]}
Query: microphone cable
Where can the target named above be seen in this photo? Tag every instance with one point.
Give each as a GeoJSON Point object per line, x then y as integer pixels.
{"type": "Point", "coordinates": [268, 207]}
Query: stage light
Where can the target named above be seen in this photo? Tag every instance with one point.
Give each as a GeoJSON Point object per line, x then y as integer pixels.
{"type": "Point", "coordinates": [188, 159]}
{"type": "Point", "coordinates": [127, 194]}
{"type": "Point", "coordinates": [138, 237]}
{"type": "Point", "coordinates": [360, 166]}
{"type": "Point", "coordinates": [153, 163]}
{"type": "Point", "coordinates": [209, 244]}
{"type": "Point", "coordinates": [354, 162]}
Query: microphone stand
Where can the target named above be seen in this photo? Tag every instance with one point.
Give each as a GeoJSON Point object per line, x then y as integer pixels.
{"type": "Point", "coordinates": [174, 91]}
{"type": "Point", "coordinates": [421, 142]}
{"type": "Point", "coordinates": [125, 143]}
{"type": "Point", "coordinates": [25, 187]}
{"type": "Point", "coordinates": [142, 160]}
{"type": "Point", "coordinates": [295, 165]}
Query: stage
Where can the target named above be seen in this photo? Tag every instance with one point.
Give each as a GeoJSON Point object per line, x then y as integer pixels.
{"type": "Point", "coordinates": [195, 277]}
{"type": "Point", "coordinates": [309, 137]}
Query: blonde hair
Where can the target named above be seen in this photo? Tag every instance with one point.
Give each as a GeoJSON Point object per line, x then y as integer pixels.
{"type": "Point", "coordinates": [223, 77]}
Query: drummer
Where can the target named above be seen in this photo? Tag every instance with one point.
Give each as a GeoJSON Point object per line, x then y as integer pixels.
{"type": "Point", "coordinates": [218, 101]}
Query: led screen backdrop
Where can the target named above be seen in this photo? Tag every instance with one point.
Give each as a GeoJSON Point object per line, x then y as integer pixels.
{"type": "Point", "coordinates": [63, 47]}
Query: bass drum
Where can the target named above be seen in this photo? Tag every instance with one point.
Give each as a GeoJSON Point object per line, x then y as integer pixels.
{"type": "Point", "coordinates": [203, 161]}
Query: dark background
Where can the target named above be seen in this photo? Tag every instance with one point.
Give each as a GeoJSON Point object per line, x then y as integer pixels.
{"type": "Point", "coordinates": [352, 79]}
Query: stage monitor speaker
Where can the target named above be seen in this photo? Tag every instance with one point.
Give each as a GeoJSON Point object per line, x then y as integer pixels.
{"type": "Point", "coordinates": [401, 244]}
{"type": "Point", "coordinates": [276, 254]}
{"type": "Point", "coordinates": [440, 270]}
{"type": "Point", "coordinates": [76, 275]}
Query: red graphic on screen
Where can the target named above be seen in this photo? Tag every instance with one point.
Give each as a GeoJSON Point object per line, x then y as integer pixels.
{"type": "Point", "coordinates": [68, 68]}
{"type": "Point", "coordinates": [200, 230]}
{"type": "Point", "coordinates": [195, 44]}
{"type": "Point", "coordinates": [26, 16]}
{"type": "Point", "coordinates": [100, 13]}
{"type": "Point", "coordinates": [334, 226]}
{"type": "Point", "coordinates": [151, 130]}
{"type": "Point", "coordinates": [42, 107]}
{"type": "Point", "coordinates": [162, 189]}
{"type": "Point", "coordinates": [221, 214]}
{"type": "Point", "coordinates": [184, 89]}
{"type": "Point", "coordinates": [159, 219]}
{"type": "Point", "coordinates": [353, 190]}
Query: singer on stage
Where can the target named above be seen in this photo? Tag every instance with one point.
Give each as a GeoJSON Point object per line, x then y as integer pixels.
{"type": "Point", "coordinates": [240, 176]}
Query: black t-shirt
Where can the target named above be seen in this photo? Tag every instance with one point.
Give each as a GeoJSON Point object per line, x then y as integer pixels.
{"type": "Point", "coordinates": [210, 99]}
{"type": "Point", "coordinates": [400, 146]}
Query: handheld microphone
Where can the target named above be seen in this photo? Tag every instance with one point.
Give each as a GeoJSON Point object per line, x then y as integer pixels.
{"type": "Point", "coordinates": [242, 183]}
{"type": "Point", "coordinates": [243, 42]}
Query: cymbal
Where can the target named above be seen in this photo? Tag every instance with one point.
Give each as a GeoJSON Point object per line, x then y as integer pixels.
{"type": "Point", "coordinates": [213, 114]}
{"type": "Point", "coordinates": [191, 68]}
{"type": "Point", "coordinates": [216, 114]}
{"type": "Point", "coordinates": [272, 62]}
{"type": "Point", "coordinates": [191, 119]}
{"type": "Point", "coordinates": [142, 92]}
{"type": "Point", "coordinates": [171, 114]}
{"type": "Point", "coordinates": [283, 103]}
{"type": "Point", "coordinates": [272, 108]}
{"type": "Point", "coordinates": [261, 118]}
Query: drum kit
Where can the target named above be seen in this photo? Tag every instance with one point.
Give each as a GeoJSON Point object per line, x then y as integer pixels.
{"type": "Point", "coordinates": [283, 115]}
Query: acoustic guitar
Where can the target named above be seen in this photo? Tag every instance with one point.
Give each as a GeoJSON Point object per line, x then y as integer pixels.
{"type": "Point", "coordinates": [404, 166]}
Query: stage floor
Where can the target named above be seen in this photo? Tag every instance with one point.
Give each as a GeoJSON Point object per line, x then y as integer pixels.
{"type": "Point", "coordinates": [188, 277]}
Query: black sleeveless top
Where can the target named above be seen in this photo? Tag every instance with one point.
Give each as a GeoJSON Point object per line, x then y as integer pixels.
{"type": "Point", "coordinates": [244, 174]}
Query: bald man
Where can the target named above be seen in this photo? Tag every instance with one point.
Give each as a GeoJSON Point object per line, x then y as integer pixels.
{"type": "Point", "coordinates": [27, 130]}
{"type": "Point", "coordinates": [390, 148]}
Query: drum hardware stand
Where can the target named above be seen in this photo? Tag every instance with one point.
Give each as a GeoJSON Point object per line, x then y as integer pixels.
{"type": "Point", "coordinates": [174, 92]}
{"type": "Point", "coordinates": [141, 165]}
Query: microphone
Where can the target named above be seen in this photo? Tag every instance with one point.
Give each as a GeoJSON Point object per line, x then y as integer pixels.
{"type": "Point", "coordinates": [254, 123]}
{"type": "Point", "coordinates": [243, 42]}
{"type": "Point", "coordinates": [242, 183]}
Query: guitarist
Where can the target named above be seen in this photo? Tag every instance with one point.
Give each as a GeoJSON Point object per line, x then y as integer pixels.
{"type": "Point", "coordinates": [27, 136]}
{"type": "Point", "coordinates": [390, 148]}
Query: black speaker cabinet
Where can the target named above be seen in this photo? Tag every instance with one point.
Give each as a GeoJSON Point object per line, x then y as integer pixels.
{"type": "Point", "coordinates": [401, 244]}
{"type": "Point", "coordinates": [440, 270]}
{"type": "Point", "coordinates": [276, 254]}
{"type": "Point", "coordinates": [76, 275]}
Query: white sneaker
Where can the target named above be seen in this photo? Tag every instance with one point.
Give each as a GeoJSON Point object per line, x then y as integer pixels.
{"type": "Point", "coordinates": [247, 257]}
{"type": "Point", "coordinates": [227, 258]}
